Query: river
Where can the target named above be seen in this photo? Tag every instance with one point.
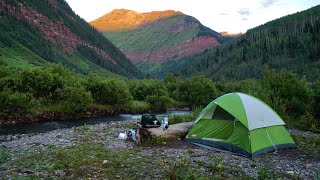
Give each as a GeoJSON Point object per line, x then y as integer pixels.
{"type": "Point", "coordinates": [41, 127]}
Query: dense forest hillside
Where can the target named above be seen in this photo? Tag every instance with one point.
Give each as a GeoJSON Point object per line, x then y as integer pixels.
{"type": "Point", "coordinates": [157, 37]}
{"type": "Point", "coordinates": [35, 33]}
{"type": "Point", "coordinates": [291, 42]}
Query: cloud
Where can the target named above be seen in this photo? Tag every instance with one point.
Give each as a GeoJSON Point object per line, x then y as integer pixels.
{"type": "Point", "coordinates": [244, 19]}
{"type": "Point", "coordinates": [244, 12]}
{"type": "Point", "coordinates": [223, 14]}
{"type": "Point", "coordinates": [267, 3]}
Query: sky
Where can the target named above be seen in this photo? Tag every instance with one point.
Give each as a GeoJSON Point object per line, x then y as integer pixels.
{"type": "Point", "coordinates": [233, 16]}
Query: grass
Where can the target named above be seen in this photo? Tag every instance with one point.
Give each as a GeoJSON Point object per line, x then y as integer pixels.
{"type": "Point", "coordinates": [267, 172]}
{"type": "Point", "coordinates": [19, 56]}
{"type": "Point", "coordinates": [93, 160]}
{"type": "Point", "coordinates": [3, 155]}
{"type": "Point", "coordinates": [84, 161]}
{"type": "Point", "coordinates": [221, 169]}
{"type": "Point", "coordinates": [82, 129]}
{"type": "Point", "coordinates": [174, 119]}
{"type": "Point", "coordinates": [309, 145]}
{"type": "Point", "coordinates": [156, 141]}
{"type": "Point", "coordinates": [151, 35]}
{"type": "Point", "coordinates": [182, 169]}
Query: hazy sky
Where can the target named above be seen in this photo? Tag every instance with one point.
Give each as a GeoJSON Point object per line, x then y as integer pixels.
{"type": "Point", "coordinates": [220, 15]}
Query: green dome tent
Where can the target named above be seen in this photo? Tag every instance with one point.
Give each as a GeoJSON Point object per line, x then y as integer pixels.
{"type": "Point", "coordinates": [241, 124]}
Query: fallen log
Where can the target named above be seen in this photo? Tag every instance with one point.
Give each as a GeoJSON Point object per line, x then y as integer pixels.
{"type": "Point", "coordinates": [173, 131]}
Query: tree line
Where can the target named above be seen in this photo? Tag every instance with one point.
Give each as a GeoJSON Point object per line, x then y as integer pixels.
{"type": "Point", "coordinates": [55, 88]}
{"type": "Point", "coordinates": [291, 42]}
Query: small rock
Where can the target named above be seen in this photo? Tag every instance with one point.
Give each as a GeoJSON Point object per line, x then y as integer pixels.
{"type": "Point", "coordinates": [59, 172]}
{"type": "Point", "coordinates": [28, 171]}
{"type": "Point", "coordinates": [164, 142]}
{"type": "Point", "coordinates": [105, 162]}
{"type": "Point", "coordinates": [9, 137]}
{"type": "Point", "coordinates": [308, 166]}
{"type": "Point", "coordinates": [179, 139]}
{"type": "Point", "coordinates": [290, 172]}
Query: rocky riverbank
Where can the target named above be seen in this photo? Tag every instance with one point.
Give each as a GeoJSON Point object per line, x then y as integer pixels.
{"type": "Point", "coordinates": [94, 151]}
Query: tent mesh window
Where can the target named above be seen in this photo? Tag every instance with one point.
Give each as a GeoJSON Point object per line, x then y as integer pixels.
{"type": "Point", "coordinates": [221, 114]}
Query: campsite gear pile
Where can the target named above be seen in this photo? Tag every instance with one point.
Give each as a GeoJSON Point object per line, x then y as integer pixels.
{"type": "Point", "coordinates": [147, 121]}
{"type": "Point", "coordinates": [241, 124]}
{"type": "Point", "coordinates": [165, 122]}
{"type": "Point", "coordinates": [123, 136]}
{"type": "Point", "coordinates": [152, 120]}
{"type": "Point", "coordinates": [132, 134]}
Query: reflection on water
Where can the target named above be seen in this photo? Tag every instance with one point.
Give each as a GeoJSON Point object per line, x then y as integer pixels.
{"type": "Point", "coordinates": [41, 127]}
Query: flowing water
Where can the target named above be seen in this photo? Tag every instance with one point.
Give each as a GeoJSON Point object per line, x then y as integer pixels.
{"type": "Point", "coordinates": [41, 127]}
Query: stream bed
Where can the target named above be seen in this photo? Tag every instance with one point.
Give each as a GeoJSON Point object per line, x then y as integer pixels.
{"type": "Point", "coordinates": [42, 127]}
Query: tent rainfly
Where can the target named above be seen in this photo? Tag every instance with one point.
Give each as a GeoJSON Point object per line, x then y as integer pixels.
{"type": "Point", "coordinates": [242, 124]}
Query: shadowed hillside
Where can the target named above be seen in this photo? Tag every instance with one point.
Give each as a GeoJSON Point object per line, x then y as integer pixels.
{"type": "Point", "coordinates": [291, 42]}
{"type": "Point", "coordinates": [35, 33]}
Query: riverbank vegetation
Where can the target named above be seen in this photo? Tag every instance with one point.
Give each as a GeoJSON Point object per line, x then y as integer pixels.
{"type": "Point", "coordinates": [56, 92]}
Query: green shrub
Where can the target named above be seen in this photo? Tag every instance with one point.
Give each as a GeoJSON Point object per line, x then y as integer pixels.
{"type": "Point", "coordinates": [293, 91]}
{"type": "Point", "coordinates": [316, 100]}
{"type": "Point", "coordinates": [308, 122]}
{"type": "Point", "coordinates": [15, 103]}
{"type": "Point", "coordinates": [141, 89]}
{"type": "Point", "coordinates": [196, 91]}
{"type": "Point", "coordinates": [75, 98]}
{"type": "Point", "coordinates": [138, 107]}
{"type": "Point", "coordinates": [159, 103]}
{"type": "Point", "coordinates": [109, 91]}
{"type": "Point", "coordinates": [308, 145]}
{"type": "Point", "coordinates": [42, 82]}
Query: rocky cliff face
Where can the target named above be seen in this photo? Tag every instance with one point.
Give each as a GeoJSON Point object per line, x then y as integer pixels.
{"type": "Point", "coordinates": [55, 32]}
{"type": "Point", "coordinates": [56, 22]}
{"type": "Point", "coordinates": [184, 49]}
{"type": "Point", "coordinates": [156, 36]}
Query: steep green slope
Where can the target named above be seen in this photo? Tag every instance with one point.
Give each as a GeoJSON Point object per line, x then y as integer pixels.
{"type": "Point", "coordinates": [168, 32]}
{"type": "Point", "coordinates": [35, 33]}
{"type": "Point", "coordinates": [171, 37]}
{"type": "Point", "coordinates": [291, 42]}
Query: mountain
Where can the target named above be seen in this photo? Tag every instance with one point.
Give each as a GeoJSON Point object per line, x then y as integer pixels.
{"type": "Point", "coordinates": [291, 42]}
{"type": "Point", "coordinates": [121, 19]}
{"type": "Point", "coordinates": [156, 37]}
{"type": "Point", "coordinates": [225, 33]}
{"type": "Point", "coordinates": [35, 33]}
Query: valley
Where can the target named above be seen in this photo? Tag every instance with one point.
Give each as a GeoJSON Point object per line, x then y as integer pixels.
{"type": "Point", "coordinates": [79, 84]}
